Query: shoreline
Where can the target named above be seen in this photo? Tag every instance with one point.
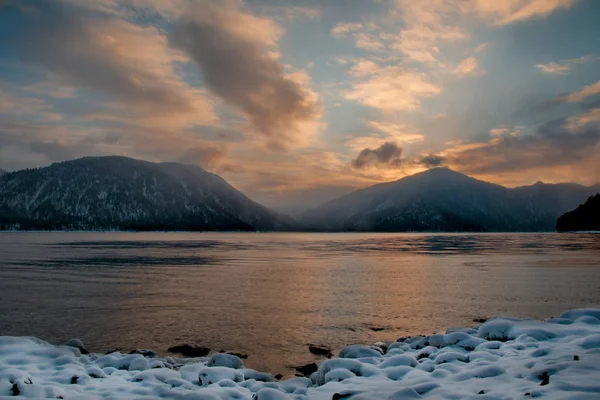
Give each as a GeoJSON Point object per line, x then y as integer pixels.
{"type": "Point", "coordinates": [501, 358]}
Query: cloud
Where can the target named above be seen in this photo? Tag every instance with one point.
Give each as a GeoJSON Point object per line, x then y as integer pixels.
{"type": "Point", "coordinates": [342, 29]}
{"type": "Point", "coordinates": [292, 13]}
{"type": "Point", "coordinates": [575, 122]}
{"type": "Point", "coordinates": [368, 42]}
{"type": "Point", "coordinates": [15, 104]}
{"type": "Point", "coordinates": [388, 154]}
{"type": "Point", "coordinates": [565, 66]}
{"type": "Point", "coordinates": [514, 131]}
{"type": "Point", "coordinates": [364, 67]}
{"type": "Point", "coordinates": [431, 160]}
{"type": "Point", "coordinates": [393, 89]}
{"type": "Point", "coordinates": [235, 50]}
{"type": "Point", "coordinates": [384, 132]}
{"type": "Point", "coordinates": [504, 12]}
{"type": "Point", "coordinates": [395, 132]}
{"type": "Point", "coordinates": [426, 24]}
{"type": "Point", "coordinates": [204, 156]}
{"type": "Point", "coordinates": [468, 67]}
{"type": "Point", "coordinates": [556, 147]}
{"type": "Point", "coordinates": [421, 29]}
{"type": "Point", "coordinates": [130, 66]}
{"type": "Point", "coordinates": [554, 68]}
{"type": "Point", "coordinates": [581, 95]}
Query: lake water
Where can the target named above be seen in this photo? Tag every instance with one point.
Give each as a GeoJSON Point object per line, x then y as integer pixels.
{"type": "Point", "coordinates": [269, 294]}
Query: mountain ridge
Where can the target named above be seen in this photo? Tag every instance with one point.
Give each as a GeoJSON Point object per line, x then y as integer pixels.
{"type": "Point", "coordinates": [586, 217]}
{"type": "Point", "coordinates": [441, 199]}
{"type": "Point", "coordinates": [115, 192]}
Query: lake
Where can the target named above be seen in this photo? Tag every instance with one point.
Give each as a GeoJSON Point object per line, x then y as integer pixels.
{"type": "Point", "coordinates": [270, 294]}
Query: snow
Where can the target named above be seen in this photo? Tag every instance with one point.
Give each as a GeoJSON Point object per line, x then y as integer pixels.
{"type": "Point", "coordinates": [504, 358]}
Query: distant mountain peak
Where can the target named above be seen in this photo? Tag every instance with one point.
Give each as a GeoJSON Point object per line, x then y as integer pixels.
{"type": "Point", "coordinates": [440, 171]}
{"type": "Point", "coordinates": [440, 199]}
{"type": "Point", "coordinates": [116, 192]}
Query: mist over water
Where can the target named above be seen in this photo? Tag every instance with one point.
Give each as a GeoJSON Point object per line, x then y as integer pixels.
{"type": "Point", "coordinates": [269, 294]}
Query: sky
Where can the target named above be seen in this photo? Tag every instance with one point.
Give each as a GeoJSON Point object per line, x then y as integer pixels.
{"type": "Point", "coordinates": [295, 102]}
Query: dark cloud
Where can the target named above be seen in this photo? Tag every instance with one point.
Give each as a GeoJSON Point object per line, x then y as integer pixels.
{"type": "Point", "coordinates": [431, 160]}
{"type": "Point", "coordinates": [125, 63]}
{"type": "Point", "coordinates": [231, 49]}
{"type": "Point", "coordinates": [388, 154]}
{"type": "Point", "coordinates": [553, 145]}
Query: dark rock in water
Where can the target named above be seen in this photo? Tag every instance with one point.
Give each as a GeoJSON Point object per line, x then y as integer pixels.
{"type": "Point", "coordinates": [320, 350]}
{"type": "Point", "coordinates": [189, 350]}
{"type": "Point", "coordinates": [145, 352]}
{"type": "Point", "coordinates": [376, 328]}
{"type": "Point", "coordinates": [545, 379]}
{"type": "Point", "coordinates": [480, 320]}
{"type": "Point", "coordinates": [115, 350]}
{"type": "Point", "coordinates": [481, 392]}
{"type": "Point", "coordinates": [586, 217]}
{"type": "Point", "coordinates": [403, 339]}
{"type": "Point", "coordinates": [575, 358]}
{"type": "Point", "coordinates": [74, 379]}
{"type": "Point", "coordinates": [307, 369]}
{"type": "Point", "coordinates": [15, 389]}
{"type": "Point", "coordinates": [231, 353]}
{"type": "Point", "coordinates": [337, 396]}
{"type": "Point", "coordinates": [278, 376]}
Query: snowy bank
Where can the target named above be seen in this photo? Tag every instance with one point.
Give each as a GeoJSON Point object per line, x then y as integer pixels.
{"type": "Point", "coordinates": [503, 358]}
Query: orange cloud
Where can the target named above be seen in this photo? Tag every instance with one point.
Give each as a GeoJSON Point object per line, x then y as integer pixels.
{"type": "Point", "coordinates": [581, 95]}
{"type": "Point", "coordinates": [393, 89]}
{"type": "Point", "coordinates": [237, 54]}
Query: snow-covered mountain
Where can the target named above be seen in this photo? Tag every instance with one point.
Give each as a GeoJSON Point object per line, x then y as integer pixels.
{"type": "Point", "coordinates": [444, 200]}
{"type": "Point", "coordinates": [123, 193]}
{"type": "Point", "coordinates": [586, 217]}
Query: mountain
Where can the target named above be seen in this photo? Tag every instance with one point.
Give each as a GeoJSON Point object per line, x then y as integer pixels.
{"type": "Point", "coordinates": [444, 200]}
{"type": "Point", "coordinates": [123, 193]}
{"type": "Point", "coordinates": [2, 172]}
{"type": "Point", "coordinates": [586, 217]}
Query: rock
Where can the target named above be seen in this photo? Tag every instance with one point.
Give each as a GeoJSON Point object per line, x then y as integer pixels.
{"type": "Point", "coordinates": [145, 352]}
{"type": "Point", "coordinates": [307, 369]}
{"type": "Point", "coordinates": [257, 375]}
{"type": "Point", "coordinates": [545, 379]}
{"type": "Point", "coordinates": [225, 360]}
{"type": "Point", "coordinates": [480, 320]}
{"type": "Point", "coordinates": [376, 328]}
{"type": "Point", "coordinates": [239, 355]}
{"type": "Point", "coordinates": [575, 358]}
{"type": "Point", "coordinates": [189, 350]}
{"type": "Point", "coordinates": [338, 396]}
{"type": "Point", "coordinates": [320, 350]}
{"type": "Point", "coordinates": [481, 392]}
{"type": "Point", "coordinates": [278, 376]}
{"type": "Point", "coordinates": [74, 379]}
{"type": "Point", "coordinates": [359, 351]}
{"type": "Point", "coordinates": [78, 344]}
